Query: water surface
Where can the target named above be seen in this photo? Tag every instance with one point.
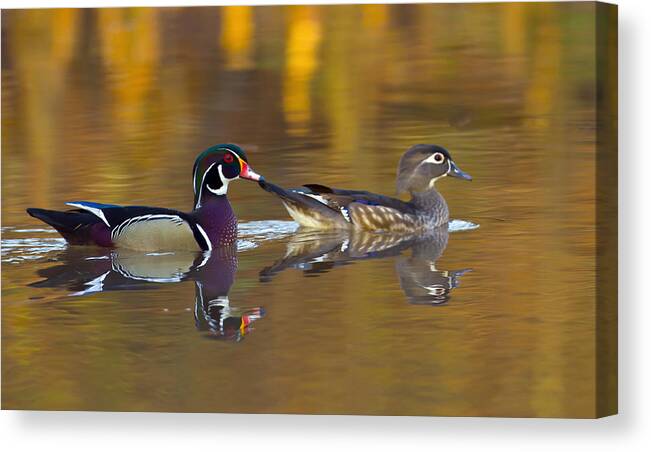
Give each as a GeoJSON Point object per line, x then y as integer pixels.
{"type": "Point", "coordinates": [113, 105]}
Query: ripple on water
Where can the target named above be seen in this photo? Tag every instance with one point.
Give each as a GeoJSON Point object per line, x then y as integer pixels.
{"type": "Point", "coordinates": [267, 230]}
{"type": "Point", "coordinates": [17, 248]}
{"type": "Point", "coordinates": [251, 235]}
{"type": "Point", "coordinates": [254, 233]}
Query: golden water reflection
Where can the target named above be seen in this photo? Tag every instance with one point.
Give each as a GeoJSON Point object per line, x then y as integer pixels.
{"type": "Point", "coordinates": [112, 105]}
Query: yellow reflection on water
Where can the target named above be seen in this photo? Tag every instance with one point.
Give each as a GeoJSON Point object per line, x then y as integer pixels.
{"type": "Point", "coordinates": [112, 105]}
{"type": "Point", "coordinates": [375, 16]}
{"type": "Point", "coordinates": [301, 60]}
{"type": "Point", "coordinates": [544, 76]}
{"type": "Point", "coordinates": [129, 45]}
{"type": "Point", "coordinates": [236, 38]}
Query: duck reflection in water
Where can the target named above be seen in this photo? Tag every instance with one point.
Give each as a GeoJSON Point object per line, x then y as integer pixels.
{"type": "Point", "coordinates": [213, 275]}
{"type": "Point", "coordinates": [422, 283]}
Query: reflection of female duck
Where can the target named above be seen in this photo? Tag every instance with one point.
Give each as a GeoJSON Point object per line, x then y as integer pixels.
{"type": "Point", "coordinates": [419, 277]}
{"type": "Point", "coordinates": [212, 273]}
{"type": "Point", "coordinates": [421, 281]}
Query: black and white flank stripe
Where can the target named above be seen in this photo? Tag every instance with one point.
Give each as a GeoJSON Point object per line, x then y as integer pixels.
{"type": "Point", "coordinates": [124, 226]}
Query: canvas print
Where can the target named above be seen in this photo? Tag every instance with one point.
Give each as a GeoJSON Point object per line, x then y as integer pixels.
{"type": "Point", "coordinates": [353, 209]}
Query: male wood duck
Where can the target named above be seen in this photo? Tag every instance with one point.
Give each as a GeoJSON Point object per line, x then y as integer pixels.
{"type": "Point", "coordinates": [211, 223]}
{"type": "Point", "coordinates": [320, 207]}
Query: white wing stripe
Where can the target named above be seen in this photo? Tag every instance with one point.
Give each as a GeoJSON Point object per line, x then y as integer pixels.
{"type": "Point", "coordinates": [317, 197]}
{"type": "Point", "coordinates": [344, 212]}
{"type": "Point", "coordinates": [324, 201]}
{"type": "Point", "coordinates": [94, 210]}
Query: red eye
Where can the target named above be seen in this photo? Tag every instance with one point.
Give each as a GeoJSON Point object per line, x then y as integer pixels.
{"type": "Point", "coordinates": [228, 158]}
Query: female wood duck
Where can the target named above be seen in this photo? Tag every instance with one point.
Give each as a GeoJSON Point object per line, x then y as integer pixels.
{"type": "Point", "coordinates": [321, 207]}
{"type": "Point", "coordinates": [212, 223]}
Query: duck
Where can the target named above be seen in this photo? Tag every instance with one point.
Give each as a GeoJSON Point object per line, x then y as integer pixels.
{"type": "Point", "coordinates": [212, 222]}
{"type": "Point", "coordinates": [316, 206]}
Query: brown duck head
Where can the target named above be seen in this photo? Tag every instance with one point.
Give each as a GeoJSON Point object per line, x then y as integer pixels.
{"type": "Point", "coordinates": [422, 165]}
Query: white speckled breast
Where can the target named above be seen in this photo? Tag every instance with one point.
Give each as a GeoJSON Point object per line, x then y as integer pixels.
{"type": "Point", "coordinates": [227, 235]}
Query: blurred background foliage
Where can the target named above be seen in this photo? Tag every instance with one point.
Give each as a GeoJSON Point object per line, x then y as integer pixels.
{"type": "Point", "coordinates": [124, 89]}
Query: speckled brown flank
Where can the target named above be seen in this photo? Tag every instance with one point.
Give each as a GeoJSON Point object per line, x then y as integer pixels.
{"type": "Point", "coordinates": [380, 218]}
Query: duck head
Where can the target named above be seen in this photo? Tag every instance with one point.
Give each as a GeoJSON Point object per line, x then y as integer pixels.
{"type": "Point", "coordinates": [422, 165]}
{"type": "Point", "coordinates": [216, 167]}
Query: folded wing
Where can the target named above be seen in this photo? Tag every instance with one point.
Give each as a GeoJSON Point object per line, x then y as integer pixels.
{"type": "Point", "coordinates": [322, 207]}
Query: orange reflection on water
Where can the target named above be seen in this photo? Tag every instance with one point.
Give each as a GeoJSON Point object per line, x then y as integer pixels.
{"type": "Point", "coordinates": [112, 105]}
{"type": "Point", "coordinates": [303, 38]}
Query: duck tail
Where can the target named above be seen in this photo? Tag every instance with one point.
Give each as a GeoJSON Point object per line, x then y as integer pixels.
{"type": "Point", "coordinates": [304, 207]}
{"type": "Point", "coordinates": [73, 225]}
{"type": "Point", "coordinates": [277, 190]}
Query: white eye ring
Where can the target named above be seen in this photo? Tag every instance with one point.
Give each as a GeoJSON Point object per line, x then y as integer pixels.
{"type": "Point", "coordinates": [438, 158]}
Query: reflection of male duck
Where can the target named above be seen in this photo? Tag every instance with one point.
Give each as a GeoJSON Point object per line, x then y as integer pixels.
{"type": "Point", "coordinates": [213, 313]}
{"type": "Point", "coordinates": [212, 273]}
{"type": "Point", "coordinates": [421, 281]}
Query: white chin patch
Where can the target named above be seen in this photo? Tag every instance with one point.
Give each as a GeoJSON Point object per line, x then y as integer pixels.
{"type": "Point", "coordinates": [432, 182]}
{"type": "Point", "coordinates": [224, 188]}
{"type": "Point", "coordinates": [221, 191]}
